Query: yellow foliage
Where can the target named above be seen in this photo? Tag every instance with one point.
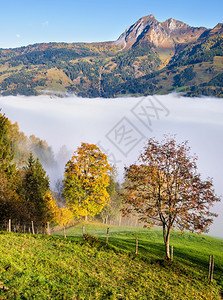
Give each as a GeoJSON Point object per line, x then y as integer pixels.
{"type": "Point", "coordinates": [86, 180]}
{"type": "Point", "coordinates": [51, 208]}
{"type": "Point", "coordinates": [65, 216]}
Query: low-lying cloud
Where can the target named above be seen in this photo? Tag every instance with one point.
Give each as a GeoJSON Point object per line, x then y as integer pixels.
{"type": "Point", "coordinates": [120, 126]}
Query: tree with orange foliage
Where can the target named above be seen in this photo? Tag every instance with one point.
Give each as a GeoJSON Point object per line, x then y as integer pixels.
{"type": "Point", "coordinates": [51, 210]}
{"type": "Point", "coordinates": [86, 180]}
{"type": "Point", "coordinates": [166, 189]}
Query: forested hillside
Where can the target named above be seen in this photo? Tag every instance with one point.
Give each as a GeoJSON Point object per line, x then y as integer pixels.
{"type": "Point", "coordinates": [184, 59]}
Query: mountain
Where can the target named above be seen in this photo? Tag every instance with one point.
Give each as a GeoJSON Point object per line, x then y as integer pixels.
{"type": "Point", "coordinates": [148, 31]}
{"type": "Point", "coordinates": [149, 57]}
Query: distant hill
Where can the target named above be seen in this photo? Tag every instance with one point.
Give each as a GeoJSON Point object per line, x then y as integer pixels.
{"type": "Point", "coordinates": [149, 57]}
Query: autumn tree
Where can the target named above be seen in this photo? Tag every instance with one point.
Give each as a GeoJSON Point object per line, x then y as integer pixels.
{"type": "Point", "coordinates": [50, 211]}
{"type": "Point", "coordinates": [9, 199]}
{"type": "Point", "coordinates": [65, 216]}
{"type": "Point", "coordinates": [6, 153]}
{"type": "Point", "coordinates": [10, 202]}
{"type": "Point", "coordinates": [86, 181]}
{"type": "Point", "coordinates": [166, 189]}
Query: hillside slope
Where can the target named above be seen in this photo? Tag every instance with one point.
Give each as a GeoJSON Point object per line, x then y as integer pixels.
{"type": "Point", "coordinates": [47, 267]}
{"type": "Point", "coordinates": [149, 57]}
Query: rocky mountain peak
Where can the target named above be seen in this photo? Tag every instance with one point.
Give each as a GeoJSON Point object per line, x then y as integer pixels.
{"type": "Point", "coordinates": [135, 31]}
{"type": "Point", "coordinates": [173, 24]}
{"type": "Point", "coordinates": [147, 30]}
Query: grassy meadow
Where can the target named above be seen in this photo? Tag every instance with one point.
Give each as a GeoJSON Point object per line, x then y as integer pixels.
{"type": "Point", "coordinates": [52, 267]}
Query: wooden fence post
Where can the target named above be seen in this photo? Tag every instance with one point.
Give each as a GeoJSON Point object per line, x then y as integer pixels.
{"type": "Point", "coordinates": [212, 268]}
{"type": "Point", "coordinates": [48, 228]}
{"type": "Point", "coordinates": [33, 231]}
{"type": "Point", "coordinates": [136, 245]}
{"type": "Point", "coordinates": [209, 268]}
{"type": "Point", "coordinates": [10, 223]}
{"type": "Point", "coordinates": [171, 256]}
{"type": "Point", "coordinates": [107, 235]}
{"type": "Point", "coordinates": [64, 232]}
{"type": "Point", "coordinates": [83, 232]}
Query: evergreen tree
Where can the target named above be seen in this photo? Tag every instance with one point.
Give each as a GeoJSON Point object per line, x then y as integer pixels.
{"type": "Point", "coordinates": [36, 185]}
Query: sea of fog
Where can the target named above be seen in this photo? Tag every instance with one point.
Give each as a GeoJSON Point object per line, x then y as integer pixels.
{"type": "Point", "coordinates": [121, 126]}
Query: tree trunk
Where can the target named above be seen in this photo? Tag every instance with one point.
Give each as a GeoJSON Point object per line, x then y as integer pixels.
{"type": "Point", "coordinates": [167, 244]}
{"type": "Point", "coordinates": [164, 233]}
{"type": "Point", "coordinates": [85, 218]}
{"type": "Point", "coordinates": [120, 220]}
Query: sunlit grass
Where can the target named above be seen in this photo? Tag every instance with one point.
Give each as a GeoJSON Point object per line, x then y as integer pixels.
{"type": "Point", "coordinates": [51, 267]}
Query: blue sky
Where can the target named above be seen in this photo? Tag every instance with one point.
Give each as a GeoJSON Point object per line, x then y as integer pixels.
{"type": "Point", "coordinates": [26, 22]}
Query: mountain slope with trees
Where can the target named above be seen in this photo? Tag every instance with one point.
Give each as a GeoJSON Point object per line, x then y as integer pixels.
{"type": "Point", "coordinates": [149, 57]}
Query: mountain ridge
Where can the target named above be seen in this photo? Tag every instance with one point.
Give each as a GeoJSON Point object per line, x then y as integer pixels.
{"type": "Point", "coordinates": [148, 57]}
{"type": "Point", "coordinates": [161, 34]}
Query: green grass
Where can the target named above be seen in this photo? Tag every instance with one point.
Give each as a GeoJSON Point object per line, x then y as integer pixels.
{"type": "Point", "coordinates": [51, 267]}
{"type": "Point", "coordinates": [192, 250]}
